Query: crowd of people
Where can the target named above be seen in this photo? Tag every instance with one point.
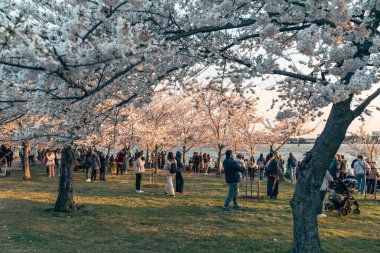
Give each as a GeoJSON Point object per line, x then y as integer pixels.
{"type": "Point", "coordinates": [272, 167]}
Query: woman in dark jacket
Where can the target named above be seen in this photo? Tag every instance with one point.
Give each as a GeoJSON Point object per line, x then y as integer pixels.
{"type": "Point", "coordinates": [272, 172]}
{"type": "Point", "coordinates": [178, 178]}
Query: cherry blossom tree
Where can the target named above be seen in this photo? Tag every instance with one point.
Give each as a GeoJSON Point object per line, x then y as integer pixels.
{"type": "Point", "coordinates": [364, 144]}
{"type": "Point", "coordinates": [187, 124]}
{"type": "Point", "coordinates": [280, 132]}
{"type": "Point", "coordinates": [326, 52]}
{"type": "Point", "coordinates": [220, 110]}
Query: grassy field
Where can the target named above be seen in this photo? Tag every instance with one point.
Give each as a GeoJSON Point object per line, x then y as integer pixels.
{"type": "Point", "coordinates": [116, 219]}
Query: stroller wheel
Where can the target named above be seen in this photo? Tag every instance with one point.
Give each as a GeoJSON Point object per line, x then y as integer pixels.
{"type": "Point", "coordinates": [356, 211]}
{"type": "Point", "coordinates": [343, 211]}
{"type": "Point", "coordinates": [329, 207]}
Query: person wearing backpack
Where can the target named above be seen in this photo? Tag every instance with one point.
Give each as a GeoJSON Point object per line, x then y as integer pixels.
{"type": "Point", "coordinates": [171, 170]}
{"type": "Point", "coordinates": [261, 165]}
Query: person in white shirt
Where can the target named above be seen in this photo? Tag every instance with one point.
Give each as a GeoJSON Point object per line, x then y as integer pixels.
{"type": "Point", "coordinates": [323, 190]}
{"type": "Point", "coordinates": [50, 163]}
{"type": "Point", "coordinates": [360, 168]}
{"type": "Point", "coordinates": [139, 170]}
{"type": "Point", "coordinates": [169, 164]}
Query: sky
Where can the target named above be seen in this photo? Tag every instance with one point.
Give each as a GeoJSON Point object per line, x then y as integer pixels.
{"type": "Point", "coordinates": [372, 123]}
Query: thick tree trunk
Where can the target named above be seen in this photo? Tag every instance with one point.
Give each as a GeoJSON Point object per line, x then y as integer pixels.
{"type": "Point", "coordinates": [25, 165]}
{"type": "Point", "coordinates": [219, 169]}
{"type": "Point", "coordinates": [65, 201]}
{"type": "Point", "coordinates": [306, 199]}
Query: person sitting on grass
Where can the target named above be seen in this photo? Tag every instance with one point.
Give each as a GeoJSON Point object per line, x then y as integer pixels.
{"type": "Point", "coordinates": [231, 171]}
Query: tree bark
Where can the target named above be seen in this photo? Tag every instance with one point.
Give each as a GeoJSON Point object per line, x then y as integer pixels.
{"type": "Point", "coordinates": [306, 198]}
{"type": "Point", "coordinates": [219, 169]}
{"type": "Point", "coordinates": [25, 165]}
{"type": "Point", "coordinates": [65, 201]}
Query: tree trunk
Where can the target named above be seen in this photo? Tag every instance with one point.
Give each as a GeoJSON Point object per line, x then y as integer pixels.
{"type": "Point", "coordinates": [306, 198]}
{"type": "Point", "coordinates": [25, 165]}
{"type": "Point", "coordinates": [65, 201]}
{"type": "Point", "coordinates": [219, 169]}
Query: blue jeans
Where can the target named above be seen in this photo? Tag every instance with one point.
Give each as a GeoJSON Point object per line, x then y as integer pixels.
{"type": "Point", "coordinates": [293, 175]}
{"type": "Point", "coordinates": [261, 174]}
{"type": "Point", "coordinates": [233, 190]}
{"type": "Point", "coordinates": [360, 186]}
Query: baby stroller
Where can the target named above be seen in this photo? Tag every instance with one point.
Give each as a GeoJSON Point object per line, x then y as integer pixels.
{"type": "Point", "coordinates": [341, 197]}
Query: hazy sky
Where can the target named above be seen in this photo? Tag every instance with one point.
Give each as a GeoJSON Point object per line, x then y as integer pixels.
{"type": "Point", "coordinates": [372, 123]}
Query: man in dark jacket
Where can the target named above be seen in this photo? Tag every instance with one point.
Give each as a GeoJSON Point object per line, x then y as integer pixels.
{"type": "Point", "coordinates": [232, 171]}
{"type": "Point", "coordinates": [178, 178]}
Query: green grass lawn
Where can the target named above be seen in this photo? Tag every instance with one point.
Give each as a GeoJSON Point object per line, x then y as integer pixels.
{"type": "Point", "coordinates": [116, 219]}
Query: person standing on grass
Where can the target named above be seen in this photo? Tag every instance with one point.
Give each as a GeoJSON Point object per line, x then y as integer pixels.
{"type": "Point", "coordinates": [191, 164]}
{"type": "Point", "coordinates": [95, 165]}
{"type": "Point", "coordinates": [178, 177]}
{"type": "Point", "coordinates": [251, 168]}
{"type": "Point", "coordinates": [170, 167]}
{"type": "Point", "coordinates": [343, 168]}
{"type": "Point", "coordinates": [110, 163]}
{"type": "Point", "coordinates": [372, 177]}
{"type": "Point", "coordinates": [103, 165]}
{"type": "Point", "coordinates": [333, 168]}
{"type": "Point", "coordinates": [261, 166]}
{"type": "Point", "coordinates": [9, 156]}
{"type": "Point", "coordinates": [240, 160]}
{"type": "Point", "coordinates": [292, 163]}
{"type": "Point", "coordinates": [120, 159]}
{"type": "Point", "coordinates": [196, 162]}
{"type": "Point", "coordinates": [39, 154]}
{"type": "Point", "coordinates": [201, 163]}
{"type": "Point", "coordinates": [205, 161]}
{"type": "Point", "coordinates": [323, 190]}
{"type": "Point", "coordinates": [139, 170]}
{"type": "Point", "coordinates": [50, 162]}
{"type": "Point", "coordinates": [232, 169]}
{"type": "Point", "coordinates": [88, 163]}
{"type": "Point", "coordinates": [209, 159]}
{"type": "Point", "coordinates": [273, 173]}
{"type": "Point", "coordinates": [360, 168]}
{"type": "Point", "coordinates": [43, 156]}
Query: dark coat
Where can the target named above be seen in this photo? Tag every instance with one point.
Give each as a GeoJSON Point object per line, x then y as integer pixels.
{"type": "Point", "coordinates": [231, 169]}
{"type": "Point", "coordinates": [178, 158]}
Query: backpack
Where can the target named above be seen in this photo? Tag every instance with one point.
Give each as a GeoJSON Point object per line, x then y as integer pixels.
{"type": "Point", "coordinates": [173, 168]}
{"type": "Point", "coordinates": [353, 162]}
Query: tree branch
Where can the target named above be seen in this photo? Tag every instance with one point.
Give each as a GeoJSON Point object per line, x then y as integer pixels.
{"type": "Point", "coordinates": [365, 103]}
